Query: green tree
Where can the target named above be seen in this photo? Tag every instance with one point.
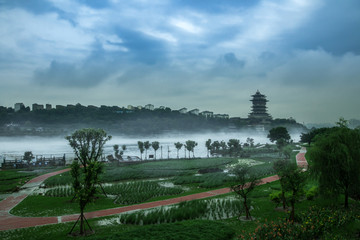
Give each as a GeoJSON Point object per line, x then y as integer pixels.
{"type": "Point", "coordinates": [28, 156]}
{"type": "Point", "coordinates": [234, 147]}
{"type": "Point", "coordinates": [294, 181]}
{"type": "Point", "coordinates": [287, 150]}
{"type": "Point", "coordinates": [250, 141]}
{"type": "Point", "coordinates": [84, 185]}
{"type": "Point", "coordinates": [223, 147]}
{"type": "Point", "coordinates": [155, 145]}
{"type": "Point", "coordinates": [123, 149]}
{"type": "Point", "coordinates": [146, 146]}
{"type": "Point", "coordinates": [117, 151]}
{"type": "Point", "coordinates": [215, 148]}
{"type": "Point", "coordinates": [119, 154]}
{"type": "Point", "coordinates": [281, 167]}
{"type": "Point", "coordinates": [88, 144]}
{"type": "Point", "coordinates": [141, 148]}
{"type": "Point", "coordinates": [190, 146]}
{"type": "Point", "coordinates": [178, 146]}
{"type": "Point", "coordinates": [336, 161]}
{"type": "Point", "coordinates": [246, 180]}
{"type": "Point", "coordinates": [310, 136]}
{"type": "Point", "coordinates": [208, 146]}
{"type": "Point", "coordinates": [279, 133]}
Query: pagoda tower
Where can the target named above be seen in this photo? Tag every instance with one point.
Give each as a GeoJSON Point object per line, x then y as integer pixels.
{"type": "Point", "coordinates": [259, 109]}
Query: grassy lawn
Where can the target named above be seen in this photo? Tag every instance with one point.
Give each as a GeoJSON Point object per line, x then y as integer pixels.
{"type": "Point", "coordinates": [263, 210]}
{"type": "Point", "coordinates": [42, 206]}
{"type": "Point", "coordinates": [186, 230]}
{"type": "Point", "coordinates": [57, 205]}
{"type": "Point", "coordinates": [11, 180]}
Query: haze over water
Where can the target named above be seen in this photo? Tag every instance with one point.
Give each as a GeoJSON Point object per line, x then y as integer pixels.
{"type": "Point", "coordinates": [10, 146]}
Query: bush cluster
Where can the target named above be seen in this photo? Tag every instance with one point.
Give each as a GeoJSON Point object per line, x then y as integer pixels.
{"type": "Point", "coordinates": [312, 225]}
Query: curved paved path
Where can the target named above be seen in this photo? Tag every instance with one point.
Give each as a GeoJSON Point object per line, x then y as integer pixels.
{"type": "Point", "coordinates": [8, 221]}
{"type": "Point", "coordinates": [301, 160]}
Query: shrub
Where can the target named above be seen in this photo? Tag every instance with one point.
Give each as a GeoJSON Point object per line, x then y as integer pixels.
{"type": "Point", "coordinates": [312, 193]}
{"type": "Point", "coordinates": [275, 197]}
{"type": "Point", "coordinates": [313, 225]}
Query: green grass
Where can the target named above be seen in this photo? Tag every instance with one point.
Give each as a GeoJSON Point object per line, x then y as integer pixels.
{"type": "Point", "coordinates": [185, 164]}
{"type": "Point", "coordinates": [137, 192]}
{"type": "Point", "coordinates": [43, 206]}
{"type": "Point", "coordinates": [149, 170]}
{"type": "Point", "coordinates": [11, 180]}
{"type": "Point", "coordinates": [186, 230]}
{"type": "Point", "coordinates": [56, 201]}
{"type": "Point", "coordinates": [209, 209]}
{"type": "Point", "coordinates": [202, 230]}
{"type": "Point", "coordinates": [263, 211]}
{"type": "Point", "coordinates": [59, 180]}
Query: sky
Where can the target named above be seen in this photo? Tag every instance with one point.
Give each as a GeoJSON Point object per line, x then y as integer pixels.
{"type": "Point", "coordinates": [304, 55]}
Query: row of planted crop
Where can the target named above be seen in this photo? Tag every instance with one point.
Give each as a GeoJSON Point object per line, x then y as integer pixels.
{"type": "Point", "coordinates": [141, 191]}
{"type": "Point", "coordinates": [126, 193]}
{"type": "Point", "coordinates": [146, 170]}
{"type": "Point", "coordinates": [212, 209]}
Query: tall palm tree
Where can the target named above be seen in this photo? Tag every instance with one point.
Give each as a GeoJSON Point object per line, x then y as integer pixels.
{"type": "Point", "coordinates": [141, 148]}
{"type": "Point", "coordinates": [155, 145]}
{"type": "Point", "coordinates": [146, 146]}
{"type": "Point", "coordinates": [178, 146]}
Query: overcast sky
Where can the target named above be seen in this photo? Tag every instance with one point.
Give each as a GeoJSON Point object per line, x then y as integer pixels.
{"type": "Point", "coordinates": [211, 55]}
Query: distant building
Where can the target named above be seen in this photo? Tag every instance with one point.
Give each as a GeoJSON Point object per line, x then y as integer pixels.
{"type": "Point", "coordinates": [223, 116]}
{"type": "Point", "coordinates": [259, 109]}
{"type": "Point", "coordinates": [130, 107]}
{"type": "Point", "coordinates": [183, 110]}
{"type": "Point", "coordinates": [194, 111]}
{"type": "Point", "coordinates": [59, 107]}
{"type": "Point", "coordinates": [149, 107]}
{"type": "Point", "coordinates": [36, 106]}
{"type": "Point", "coordinates": [18, 106]}
{"type": "Point", "coordinates": [48, 106]}
{"type": "Point", "coordinates": [207, 114]}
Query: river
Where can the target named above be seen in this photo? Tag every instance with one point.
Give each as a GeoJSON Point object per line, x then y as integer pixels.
{"type": "Point", "coordinates": [57, 146]}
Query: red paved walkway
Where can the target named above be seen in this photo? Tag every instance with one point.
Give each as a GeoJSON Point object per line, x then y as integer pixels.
{"type": "Point", "coordinates": [8, 221]}
{"type": "Point", "coordinates": [301, 160]}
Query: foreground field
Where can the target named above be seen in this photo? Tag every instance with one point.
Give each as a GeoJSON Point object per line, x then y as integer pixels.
{"type": "Point", "coordinates": [264, 211]}
{"type": "Point", "coordinates": [213, 218]}
{"type": "Point", "coordinates": [133, 184]}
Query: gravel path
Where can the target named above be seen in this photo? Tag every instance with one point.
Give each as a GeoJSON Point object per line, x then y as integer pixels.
{"type": "Point", "coordinates": [8, 221]}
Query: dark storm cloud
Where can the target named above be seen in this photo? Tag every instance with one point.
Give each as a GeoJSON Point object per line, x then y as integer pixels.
{"type": "Point", "coordinates": [69, 75]}
{"type": "Point", "coordinates": [230, 59]}
{"type": "Point", "coordinates": [142, 48]}
{"type": "Point", "coordinates": [334, 28]}
{"type": "Point", "coordinates": [94, 70]}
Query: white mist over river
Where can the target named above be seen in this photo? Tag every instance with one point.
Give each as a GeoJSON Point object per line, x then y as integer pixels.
{"type": "Point", "coordinates": [11, 146]}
